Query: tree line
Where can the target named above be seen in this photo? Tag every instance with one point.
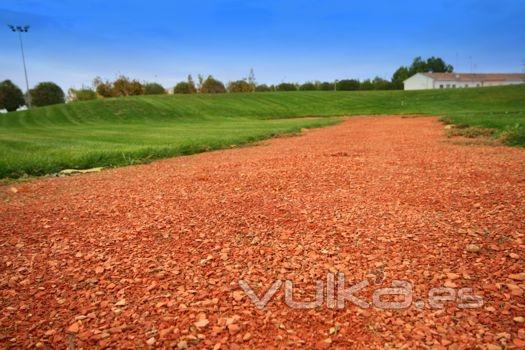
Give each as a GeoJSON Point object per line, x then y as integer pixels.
{"type": "Point", "coordinates": [48, 93]}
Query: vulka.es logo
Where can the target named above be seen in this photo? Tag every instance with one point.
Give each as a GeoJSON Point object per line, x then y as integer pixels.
{"type": "Point", "coordinates": [337, 295]}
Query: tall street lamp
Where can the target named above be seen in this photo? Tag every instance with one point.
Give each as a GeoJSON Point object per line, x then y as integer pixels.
{"type": "Point", "coordinates": [20, 30]}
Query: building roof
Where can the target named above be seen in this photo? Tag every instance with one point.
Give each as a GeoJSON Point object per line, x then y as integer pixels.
{"type": "Point", "coordinates": [473, 77]}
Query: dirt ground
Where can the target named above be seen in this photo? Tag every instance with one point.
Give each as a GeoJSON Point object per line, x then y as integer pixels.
{"type": "Point", "coordinates": [152, 255]}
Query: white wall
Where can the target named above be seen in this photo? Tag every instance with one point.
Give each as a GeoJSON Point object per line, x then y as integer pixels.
{"type": "Point", "coordinates": [456, 84]}
{"type": "Point", "coordinates": [422, 82]}
{"type": "Point", "coordinates": [498, 83]}
{"type": "Point", "coordinates": [419, 82]}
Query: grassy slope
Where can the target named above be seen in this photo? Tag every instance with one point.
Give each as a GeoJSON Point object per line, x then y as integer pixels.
{"type": "Point", "coordinates": [123, 131]}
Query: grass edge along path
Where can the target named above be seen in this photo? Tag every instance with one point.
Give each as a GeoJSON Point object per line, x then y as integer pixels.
{"type": "Point", "coordinates": [123, 131]}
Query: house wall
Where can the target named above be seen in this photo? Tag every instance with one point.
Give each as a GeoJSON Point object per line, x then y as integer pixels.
{"type": "Point", "coordinates": [419, 82]}
{"type": "Point", "coordinates": [456, 84]}
{"type": "Point", "coordinates": [499, 83]}
{"type": "Point", "coordinates": [422, 82]}
{"type": "Point", "coordinates": [443, 84]}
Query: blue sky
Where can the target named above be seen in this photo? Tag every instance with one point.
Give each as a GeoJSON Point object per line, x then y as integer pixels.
{"type": "Point", "coordinates": [71, 42]}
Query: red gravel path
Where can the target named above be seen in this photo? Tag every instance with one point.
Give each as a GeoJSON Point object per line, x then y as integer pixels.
{"type": "Point", "coordinates": [151, 255]}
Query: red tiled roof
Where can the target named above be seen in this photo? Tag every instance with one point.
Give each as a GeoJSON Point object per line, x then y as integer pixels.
{"type": "Point", "coordinates": [465, 77]}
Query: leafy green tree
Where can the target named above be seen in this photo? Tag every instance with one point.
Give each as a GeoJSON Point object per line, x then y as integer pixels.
{"type": "Point", "coordinates": [400, 75]}
{"type": "Point", "coordinates": [212, 86]}
{"type": "Point", "coordinates": [381, 84]}
{"type": "Point", "coordinates": [11, 97]}
{"type": "Point", "coordinates": [46, 93]}
{"type": "Point", "coordinates": [326, 86]}
{"type": "Point", "coordinates": [348, 84]}
{"type": "Point", "coordinates": [263, 88]}
{"type": "Point", "coordinates": [438, 65]}
{"type": "Point", "coordinates": [308, 86]}
{"type": "Point", "coordinates": [182, 88]}
{"type": "Point", "coordinates": [419, 65]}
{"type": "Point", "coordinates": [185, 87]}
{"type": "Point", "coordinates": [154, 89]}
{"type": "Point", "coordinates": [286, 87]}
{"type": "Point", "coordinates": [366, 84]}
{"type": "Point", "coordinates": [240, 86]}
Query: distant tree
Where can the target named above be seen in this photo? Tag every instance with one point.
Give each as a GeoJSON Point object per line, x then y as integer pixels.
{"type": "Point", "coordinates": [123, 86]}
{"type": "Point", "coordinates": [212, 86]}
{"type": "Point", "coordinates": [381, 84]}
{"type": "Point", "coordinates": [120, 86]}
{"type": "Point", "coordinates": [366, 84]}
{"type": "Point", "coordinates": [103, 88]}
{"type": "Point", "coordinates": [286, 87]}
{"type": "Point", "coordinates": [136, 88]}
{"type": "Point", "coordinates": [154, 89]}
{"type": "Point", "coordinates": [11, 97]}
{"type": "Point", "coordinates": [326, 86]}
{"type": "Point", "coordinates": [182, 88]}
{"type": "Point", "coordinates": [419, 65]}
{"type": "Point", "coordinates": [308, 86]}
{"type": "Point", "coordinates": [45, 94]}
{"type": "Point", "coordinates": [400, 75]}
{"type": "Point", "coordinates": [348, 84]}
{"type": "Point", "coordinates": [262, 88]}
{"type": "Point", "coordinates": [83, 94]}
{"type": "Point", "coordinates": [438, 65]}
{"type": "Point", "coordinates": [240, 86]}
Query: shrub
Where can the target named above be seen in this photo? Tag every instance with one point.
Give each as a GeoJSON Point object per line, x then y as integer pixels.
{"type": "Point", "coordinates": [240, 86]}
{"type": "Point", "coordinates": [154, 89]}
{"type": "Point", "coordinates": [286, 87]}
{"type": "Point", "coordinates": [83, 94]}
{"type": "Point", "coordinates": [348, 84]}
{"type": "Point", "coordinates": [103, 88]}
{"type": "Point", "coordinates": [123, 86]}
{"type": "Point", "coordinates": [212, 86]}
{"type": "Point", "coordinates": [366, 84]}
{"type": "Point", "coordinates": [263, 88]}
{"type": "Point", "coordinates": [45, 94]}
{"type": "Point", "coordinates": [326, 86]}
{"type": "Point", "coordinates": [308, 86]}
{"type": "Point", "coordinates": [11, 97]}
{"type": "Point", "coordinates": [184, 88]}
{"type": "Point", "coordinates": [381, 84]}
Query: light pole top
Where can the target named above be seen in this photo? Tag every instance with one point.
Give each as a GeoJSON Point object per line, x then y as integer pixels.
{"type": "Point", "coordinates": [21, 29]}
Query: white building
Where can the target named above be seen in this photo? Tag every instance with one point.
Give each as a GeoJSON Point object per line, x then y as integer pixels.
{"type": "Point", "coordinates": [424, 81]}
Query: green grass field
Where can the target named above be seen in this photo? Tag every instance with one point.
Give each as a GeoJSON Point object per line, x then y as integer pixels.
{"type": "Point", "coordinates": [131, 130]}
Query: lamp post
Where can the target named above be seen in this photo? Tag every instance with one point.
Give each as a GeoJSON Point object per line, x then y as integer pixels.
{"type": "Point", "coordinates": [20, 30]}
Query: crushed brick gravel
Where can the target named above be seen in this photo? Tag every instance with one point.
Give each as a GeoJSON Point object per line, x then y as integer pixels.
{"type": "Point", "coordinates": [151, 255]}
